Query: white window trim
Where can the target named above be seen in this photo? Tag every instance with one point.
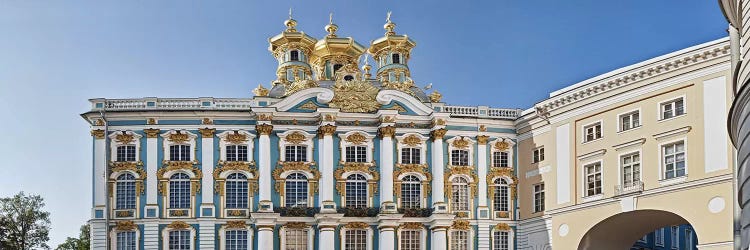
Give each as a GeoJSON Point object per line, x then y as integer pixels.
{"type": "Point", "coordinates": [223, 143]}
{"type": "Point", "coordinates": [510, 237]}
{"type": "Point", "coordinates": [470, 202]}
{"type": "Point", "coordinates": [659, 232]}
{"type": "Point", "coordinates": [533, 197]}
{"type": "Point", "coordinates": [660, 118]}
{"type": "Point", "coordinates": [422, 237]}
{"type": "Point", "coordinates": [422, 190]}
{"type": "Point", "coordinates": [223, 233]}
{"type": "Point", "coordinates": [620, 168]}
{"type": "Point", "coordinates": [190, 142]}
{"type": "Point", "coordinates": [511, 205]}
{"type": "Point", "coordinates": [310, 193]}
{"type": "Point", "coordinates": [310, 237]}
{"type": "Point", "coordinates": [662, 168]}
{"type": "Point", "coordinates": [471, 238]}
{"type": "Point", "coordinates": [113, 198]}
{"type": "Point", "coordinates": [422, 146]}
{"type": "Point", "coordinates": [541, 159]}
{"type": "Point", "coordinates": [593, 123]}
{"type": "Point", "coordinates": [113, 237]}
{"type": "Point", "coordinates": [511, 144]}
{"type": "Point", "coordinates": [223, 198]}
{"type": "Point", "coordinates": [470, 148]}
{"type": "Point", "coordinates": [114, 144]}
{"type": "Point", "coordinates": [370, 235]}
{"type": "Point", "coordinates": [368, 143]}
{"type": "Point", "coordinates": [584, 183]}
{"type": "Point", "coordinates": [368, 186]}
{"type": "Point", "coordinates": [308, 142]}
{"type": "Point", "coordinates": [165, 237]}
{"type": "Point", "coordinates": [165, 201]}
{"type": "Point", "coordinates": [619, 120]}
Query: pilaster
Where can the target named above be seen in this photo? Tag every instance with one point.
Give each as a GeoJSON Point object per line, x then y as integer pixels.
{"type": "Point", "coordinates": [325, 154]}
{"type": "Point", "coordinates": [266, 224]}
{"type": "Point", "coordinates": [386, 131]}
{"type": "Point", "coordinates": [482, 209]}
{"type": "Point", "coordinates": [327, 224]}
{"type": "Point", "coordinates": [207, 182]}
{"type": "Point", "coordinates": [438, 194]}
{"type": "Point", "coordinates": [387, 226]}
{"type": "Point", "coordinates": [100, 180]}
{"type": "Point", "coordinates": [264, 166]}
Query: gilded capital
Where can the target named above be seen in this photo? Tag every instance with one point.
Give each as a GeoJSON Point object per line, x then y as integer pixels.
{"type": "Point", "coordinates": [387, 131]}
{"type": "Point", "coordinates": [151, 132]}
{"type": "Point", "coordinates": [327, 130]}
{"type": "Point", "coordinates": [482, 139]}
{"type": "Point", "coordinates": [207, 132]}
{"type": "Point", "coordinates": [264, 129]}
{"type": "Point", "coordinates": [97, 133]}
{"type": "Point", "coordinates": [438, 133]}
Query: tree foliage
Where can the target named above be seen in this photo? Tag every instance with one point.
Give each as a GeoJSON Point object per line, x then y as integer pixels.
{"type": "Point", "coordinates": [23, 223]}
{"type": "Point", "coordinates": [83, 242]}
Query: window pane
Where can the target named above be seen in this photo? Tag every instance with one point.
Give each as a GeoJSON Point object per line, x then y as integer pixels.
{"type": "Point", "coordinates": [237, 191]}
{"type": "Point", "coordinates": [459, 240]}
{"type": "Point", "coordinates": [296, 190]}
{"type": "Point", "coordinates": [236, 240]}
{"type": "Point", "coordinates": [355, 240]}
{"type": "Point", "coordinates": [410, 240]}
{"type": "Point", "coordinates": [296, 239]}
{"type": "Point", "coordinates": [126, 240]}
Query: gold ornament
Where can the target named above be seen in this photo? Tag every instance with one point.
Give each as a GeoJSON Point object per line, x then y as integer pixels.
{"type": "Point", "coordinates": [151, 121]}
{"type": "Point", "coordinates": [356, 225]}
{"type": "Point", "coordinates": [356, 138]}
{"type": "Point", "coordinates": [296, 225]}
{"type": "Point", "coordinates": [462, 214]}
{"type": "Point", "coordinates": [260, 90]}
{"type": "Point", "coordinates": [97, 133]}
{"type": "Point", "coordinates": [482, 128]}
{"type": "Point", "coordinates": [309, 105]}
{"type": "Point", "coordinates": [300, 85]}
{"type": "Point", "coordinates": [482, 139]}
{"type": "Point", "coordinates": [461, 225]}
{"type": "Point", "coordinates": [326, 130]}
{"type": "Point", "coordinates": [264, 129]}
{"type": "Point", "coordinates": [438, 122]}
{"type": "Point", "coordinates": [501, 146]}
{"type": "Point", "coordinates": [355, 96]}
{"type": "Point", "coordinates": [179, 225]}
{"type": "Point", "coordinates": [387, 119]}
{"type": "Point", "coordinates": [438, 133]}
{"type": "Point", "coordinates": [435, 96]}
{"type": "Point", "coordinates": [412, 140]}
{"type": "Point", "coordinates": [151, 132]}
{"type": "Point", "coordinates": [412, 225]}
{"type": "Point", "coordinates": [207, 121]}
{"type": "Point", "coordinates": [236, 224]}
{"type": "Point", "coordinates": [265, 117]}
{"type": "Point", "coordinates": [329, 118]}
{"type": "Point", "coordinates": [236, 138]}
{"type": "Point", "coordinates": [124, 138]}
{"type": "Point", "coordinates": [295, 138]}
{"type": "Point", "coordinates": [502, 227]}
{"type": "Point", "coordinates": [461, 143]}
{"type": "Point", "coordinates": [207, 132]}
{"type": "Point", "coordinates": [387, 131]}
{"type": "Point", "coordinates": [178, 137]}
{"type": "Point", "coordinates": [125, 225]}
{"type": "Point", "coordinates": [99, 122]}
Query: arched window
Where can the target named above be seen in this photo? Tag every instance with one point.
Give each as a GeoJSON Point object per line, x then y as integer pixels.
{"type": "Point", "coordinates": [179, 240]}
{"type": "Point", "coordinates": [236, 191]}
{"type": "Point", "coordinates": [296, 190]}
{"type": "Point", "coordinates": [179, 191]}
{"type": "Point", "coordinates": [460, 195]}
{"type": "Point", "coordinates": [396, 58]}
{"type": "Point", "coordinates": [411, 192]}
{"type": "Point", "coordinates": [500, 199]}
{"type": "Point", "coordinates": [459, 240]}
{"type": "Point", "coordinates": [294, 55]}
{"type": "Point", "coordinates": [125, 192]}
{"type": "Point", "coordinates": [459, 157]}
{"type": "Point", "coordinates": [356, 191]}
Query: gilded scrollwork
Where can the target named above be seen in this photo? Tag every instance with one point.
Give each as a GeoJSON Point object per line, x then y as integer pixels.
{"type": "Point", "coordinates": [502, 227]}
{"type": "Point", "coordinates": [460, 143]}
{"type": "Point", "coordinates": [356, 138]}
{"type": "Point", "coordinates": [356, 225]}
{"type": "Point", "coordinates": [482, 139]}
{"type": "Point", "coordinates": [236, 224]}
{"type": "Point", "coordinates": [355, 96]}
{"type": "Point", "coordinates": [235, 166]}
{"type": "Point", "coordinates": [435, 96]}
{"type": "Point", "coordinates": [124, 138]}
{"type": "Point", "coordinates": [97, 133]}
{"type": "Point", "coordinates": [264, 129]}
{"type": "Point", "coordinates": [178, 137]}
{"type": "Point", "coordinates": [326, 130]}
{"type": "Point", "coordinates": [387, 131]}
{"type": "Point", "coordinates": [412, 140]}
{"type": "Point", "coordinates": [295, 166]}
{"type": "Point", "coordinates": [151, 132]}
{"type": "Point", "coordinates": [207, 132]}
{"type": "Point", "coordinates": [501, 145]}
{"type": "Point", "coordinates": [356, 167]}
{"type": "Point", "coordinates": [461, 225]}
{"type": "Point", "coordinates": [495, 173]}
{"type": "Point", "coordinates": [236, 138]}
{"type": "Point", "coordinates": [421, 169]}
{"type": "Point", "coordinates": [412, 225]}
{"type": "Point", "coordinates": [179, 165]}
{"type": "Point", "coordinates": [296, 225]}
{"type": "Point", "coordinates": [179, 225]}
{"type": "Point", "coordinates": [134, 167]}
{"type": "Point", "coordinates": [461, 170]}
{"type": "Point", "coordinates": [295, 138]}
{"type": "Point", "coordinates": [438, 134]}
{"type": "Point", "coordinates": [125, 225]}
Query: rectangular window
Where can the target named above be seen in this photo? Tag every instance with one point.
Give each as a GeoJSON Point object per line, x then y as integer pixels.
{"type": "Point", "coordinates": [236, 240]}
{"type": "Point", "coordinates": [126, 153]}
{"type": "Point", "coordinates": [689, 243]}
{"type": "Point", "coordinates": [593, 179]}
{"type": "Point", "coordinates": [356, 239]}
{"type": "Point", "coordinates": [673, 108]}
{"type": "Point", "coordinates": [356, 154]}
{"type": "Point", "coordinates": [295, 153]}
{"type": "Point", "coordinates": [659, 237]}
{"type": "Point", "coordinates": [675, 237]}
{"type": "Point", "coordinates": [459, 240]}
{"type": "Point", "coordinates": [459, 157]}
{"type": "Point", "coordinates": [410, 240]}
{"type": "Point", "coordinates": [179, 153]}
{"type": "Point", "coordinates": [126, 240]}
{"type": "Point", "coordinates": [631, 169]}
{"type": "Point", "coordinates": [592, 132]}
{"type": "Point", "coordinates": [237, 153]}
{"type": "Point", "coordinates": [500, 240]}
{"type": "Point", "coordinates": [179, 240]}
{"type": "Point", "coordinates": [500, 159]}
{"type": "Point", "coordinates": [630, 120]}
{"type": "Point", "coordinates": [538, 155]}
{"type": "Point", "coordinates": [673, 158]}
{"type": "Point", "coordinates": [296, 239]}
{"type": "Point", "coordinates": [539, 197]}
{"type": "Point", "coordinates": [411, 155]}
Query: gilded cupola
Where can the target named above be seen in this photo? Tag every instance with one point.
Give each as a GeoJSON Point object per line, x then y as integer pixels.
{"type": "Point", "coordinates": [293, 50]}
{"type": "Point", "coordinates": [391, 52]}
{"type": "Point", "coordinates": [336, 57]}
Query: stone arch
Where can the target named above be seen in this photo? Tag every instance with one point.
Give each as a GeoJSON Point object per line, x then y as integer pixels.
{"type": "Point", "coordinates": [620, 231]}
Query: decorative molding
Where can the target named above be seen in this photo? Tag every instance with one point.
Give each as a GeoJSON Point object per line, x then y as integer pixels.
{"type": "Point", "coordinates": [494, 173]}
{"type": "Point", "coordinates": [207, 132]}
{"type": "Point", "coordinates": [422, 169]}
{"type": "Point", "coordinates": [482, 139]}
{"type": "Point", "coordinates": [679, 131]}
{"type": "Point", "coordinates": [326, 130]}
{"type": "Point", "coordinates": [629, 144]}
{"type": "Point", "coordinates": [412, 226]}
{"type": "Point", "coordinates": [501, 145]}
{"type": "Point", "coordinates": [152, 132]}
{"type": "Point", "coordinates": [356, 225]}
{"type": "Point", "coordinates": [296, 166]}
{"type": "Point", "coordinates": [461, 170]}
{"type": "Point", "coordinates": [178, 137]}
{"type": "Point", "coordinates": [207, 121]}
{"type": "Point", "coordinates": [264, 129]}
{"type": "Point", "coordinates": [133, 167]}
{"type": "Point", "coordinates": [235, 166]}
{"type": "Point", "coordinates": [296, 225]}
{"type": "Point", "coordinates": [461, 225]}
{"type": "Point", "coordinates": [387, 131]}
{"type": "Point", "coordinates": [356, 138]}
{"type": "Point", "coordinates": [179, 225]}
{"type": "Point", "coordinates": [235, 224]}
{"type": "Point", "coordinates": [590, 155]}
{"type": "Point", "coordinates": [97, 133]}
{"type": "Point", "coordinates": [356, 167]}
{"type": "Point", "coordinates": [295, 138]}
{"type": "Point", "coordinates": [502, 227]}
{"type": "Point", "coordinates": [412, 140]}
{"type": "Point", "coordinates": [125, 225]}
{"type": "Point", "coordinates": [236, 138]}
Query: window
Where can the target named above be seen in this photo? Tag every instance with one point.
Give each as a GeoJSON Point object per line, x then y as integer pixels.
{"type": "Point", "coordinates": [411, 155]}
{"type": "Point", "coordinates": [673, 108]}
{"type": "Point", "coordinates": [179, 153]}
{"type": "Point", "coordinates": [296, 190]}
{"type": "Point", "coordinates": [236, 240]}
{"type": "Point", "coordinates": [411, 240]}
{"type": "Point", "coordinates": [460, 157]}
{"type": "Point", "coordinates": [460, 195]}
{"type": "Point", "coordinates": [592, 132]}
{"type": "Point", "coordinates": [356, 239]}
{"type": "Point", "coordinates": [630, 121]}
{"type": "Point", "coordinates": [674, 159]}
{"type": "Point", "coordinates": [411, 194]}
{"type": "Point", "coordinates": [538, 155]}
{"type": "Point", "coordinates": [659, 237]}
{"type": "Point", "coordinates": [295, 239]}
{"type": "Point", "coordinates": [179, 191]}
{"type": "Point", "coordinates": [593, 179]}
{"type": "Point", "coordinates": [631, 169]}
{"type": "Point", "coordinates": [126, 153]}
{"type": "Point", "coordinates": [539, 197]}
{"type": "Point", "coordinates": [644, 239]}
{"type": "Point", "coordinates": [237, 191]}
{"type": "Point", "coordinates": [356, 154]}
{"type": "Point", "coordinates": [500, 240]}
{"type": "Point", "coordinates": [459, 240]}
{"type": "Point", "coordinates": [689, 238]}
{"type": "Point", "coordinates": [396, 58]}
{"type": "Point", "coordinates": [294, 55]}
{"type": "Point", "coordinates": [500, 199]}
{"type": "Point", "coordinates": [179, 240]}
{"type": "Point", "coordinates": [237, 153]}
{"type": "Point", "coordinates": [674, 234]}
{"type": "Point", "coordinates": [296, 153]}
{"type": "Point", "coordinates": [125, 189]}
{"type": "Point", "coordinates": [500, 159]}
{"type": "Point", "coordinates": [356, 191]}
{"type": "Point", "coordinates": [126, 240]}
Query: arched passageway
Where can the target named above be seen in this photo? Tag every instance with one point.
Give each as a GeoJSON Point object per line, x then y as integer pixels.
{"type": "Point", "coordinates": [620, 231]}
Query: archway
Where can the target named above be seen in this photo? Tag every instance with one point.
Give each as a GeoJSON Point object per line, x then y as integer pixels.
{"type": "Point", "coordinates": [620, 231]}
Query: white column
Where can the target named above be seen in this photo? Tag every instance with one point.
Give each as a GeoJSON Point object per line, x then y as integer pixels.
{"type": "Point", "coordinates": [439, 238]}
{"type": "Point", "coordinates": [482, 170]}
{"type": "Point", "coordinates": [98, 234]}
{"type": "Point", "coordinates": [387, 237]}
{"type": "Point", "coordinates": [152, 163]}
{"type": "Point", "coordinates": [100, 164]}
{"type": "Point", "coordinates": [265, 237]}
{"type": "Point", "coordinates": [327, 237]}
{"type": "Point", "coordinates": [264, 163]}
{"type": "Point", "coordinates": [438, 194]}
{"type": "Point", "coordinates": [151, 235]}
{"type": "Point", "coordinates": [206, 234]}
{"type": "Point", "coordinates": [326, 167]}
{"type": "Point", "coordinates": [207, 163]}
{"type": "Point", "coordinates": [386, 164]}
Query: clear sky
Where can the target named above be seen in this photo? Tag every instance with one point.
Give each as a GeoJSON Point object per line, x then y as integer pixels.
{"type": "Point", "coordinates": [55, 55]}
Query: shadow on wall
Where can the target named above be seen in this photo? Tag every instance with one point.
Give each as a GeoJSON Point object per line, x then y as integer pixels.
{"type": "Point", "coordinates": [621, 230]}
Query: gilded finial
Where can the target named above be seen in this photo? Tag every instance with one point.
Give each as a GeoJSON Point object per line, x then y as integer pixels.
{"type": "Point", "coordinates": [366, 68]}
{"type": "Point", "coordinates": [260, 90]}
{"type": "Point", "coordinates": [290, 23]}
{"type": "Point", "coordinates": [389, 26]}
{"type": "Point", "coordinates": [331, 28]}
{"type": "Point", "coordinates": [435, 96]}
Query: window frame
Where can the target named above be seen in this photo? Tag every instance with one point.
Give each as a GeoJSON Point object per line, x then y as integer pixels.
{"type": "Point", "coordinates": [224, 142]}
{"type": "Point", "coordinates": [422, 237]}
{"type": "Point", "coordinates": [115, 144]}
{"type": "Point", "coordinates": [368, 143]}
{"type": "Point", "coordinates": [537, 155]}
{"type": "Point", "coordinates": [509, 151]}
{"type": "Point", "coordinates": [307, 190]}
{"type": "Point", "coordinates": [662, 166]}
{"type": "Point", "coordinates": [539, 202]}
{"type": "Point", "coordinates": [368, 236]}
{"type": "Point", "coordinates": [510, 238]}
{"type": "Point", "coordinates": [113, 236]}
{"type": "Point", "coordinates": [659, 237]}
{"type": "Point", "coordinates": [629, 114]}
{"type": "Point", "coordinates": [470, 150]}
{"type": "Point", "coordinates": [223, 236]}
{"type": "Point", "coordinates": [621, 170]}
{"type": "Point", "coordinates": [507, 195]}
{"type": "Point", "coordinates": [586, 174]}
{"type": "Point", "coordinates": [191, 142]}
{"type": "Point", "coordinates": [419, 190]}
{"type": "Point", "coordinates": [469, 239]}
{"type": "Point", "coordinates": [246, 180]}
{"type": "Point", "coordinates": [421, 145]}
{"type": "Point", "coordinates": [469, 198]}
{"type": "Point", "coordinates": [592, 125]}
{"type": "Point", "coordinates": [310, 240]}
{"type": "Point", "coordinates": [345, 198]}
{"type": "Point", "coordinates": [674, 237]}
{"type": "Point", "coordinates": [660, 108]}
{"type": "Point", "coordinates": [167, 231]}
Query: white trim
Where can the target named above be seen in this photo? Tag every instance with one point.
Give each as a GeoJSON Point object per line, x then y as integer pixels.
{"type": "Point", "coordinates": [674, 99]}
{"type": "Point", "coordinates": [595, 154]}
{"type": "Point", "coordinates": [368, 143]}
{"type": "Point", "coordinates": [629, 112]}
{"type": "Point", "coordinates": [470, 148]}
{"type": "Point", "coordinates": [310, 237]}
{"type": "Point", "coordinates": [223, 143]}
{"type": "Point", "coordinates": [592, 125]}
{"type": "Point", "coordinates": [113, 237]}
{"type": "Point", "coordinates": [511, 144]}
{"type": "Point", "coordinates": [342, 236]}
{"type": "Point", "coordinates": [223, 239]}
{"type": "Point", "coordinates": [629, 144]}
{"type": "Point", "coordinates": [422, 146]}
{"type": "Point", "coordinates": [470, 239]}
{"type": "Point", "coordinates": [511, 241]}
{"type": "Point", "coordinates": [673, 132]}
{"type": "Point", "coordinates": [308, 143]}
{"type": "Point", "coordinates": [386, 96]}
{"type": "Point", "coordinates": [422, 238]}
{"type": "Point", "coordinates": [165, 236]}
{"type": "Point", "coordinates": [321, 95]}
{"type": "Point", "coordinates": [114, 144]}
{"type": "Point", "coordinates": [191, 142]}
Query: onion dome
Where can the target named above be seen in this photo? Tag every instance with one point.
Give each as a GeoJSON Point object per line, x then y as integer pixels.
{"type": "Point", "coordinates": [292, 49]}
{"type": "Point", "coordinates": [333, 53]}
{"type": "Point", "coordinates": [391, 52]}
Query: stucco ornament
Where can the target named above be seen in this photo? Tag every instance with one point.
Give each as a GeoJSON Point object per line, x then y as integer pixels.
{"type": "Point", "coordinates": [355, 97]}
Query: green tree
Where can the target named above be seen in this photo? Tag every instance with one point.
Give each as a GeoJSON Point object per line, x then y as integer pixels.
{"type": "Point", "coordinates": [23, 223]}
{"type": "Point", "coordinates": [83, 242]}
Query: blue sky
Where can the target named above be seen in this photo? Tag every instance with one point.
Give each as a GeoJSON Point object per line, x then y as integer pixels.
{"type": "Point", "coordinates": [54, 55]}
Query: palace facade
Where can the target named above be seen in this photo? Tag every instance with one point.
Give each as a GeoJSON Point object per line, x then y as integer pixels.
{"type": "Point", "coordinates": [338, 156]}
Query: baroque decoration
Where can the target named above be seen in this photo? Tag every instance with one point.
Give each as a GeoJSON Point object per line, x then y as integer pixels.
{"type": "Point", "coordinates": [461, 225]}
{"type": "Point", "coordinates": [355, 97]}
{"type": "Point", "coordinates": [290, 166]}
{"type": "Point", "coordinates": [246, 167]}
{"type": "Point", "coordinates": [125, 225]}
{"type": "Point", "coordinates": [420, 169]}
{"type": "Point", "coordinates": [132, 167]}
{"type": "Point", "coordinates": [347, 167]}
{"type": "Point", "coordinates": [461, 170]}
{"type": "Point", "coordinates": [495, 173]}
{"type": "Point", "coordinates": [186, 166]}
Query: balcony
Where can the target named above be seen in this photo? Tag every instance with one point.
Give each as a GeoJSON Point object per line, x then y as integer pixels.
{"type": "Point", "coordinates": [635, 187]}
{"type": "Point", "coordinates": [415, 212]}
